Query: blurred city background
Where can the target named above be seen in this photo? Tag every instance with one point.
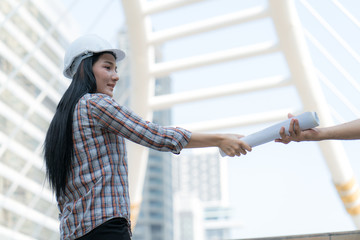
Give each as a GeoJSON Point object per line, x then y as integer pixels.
{"type": "Point", "coordinates": [205, 65]}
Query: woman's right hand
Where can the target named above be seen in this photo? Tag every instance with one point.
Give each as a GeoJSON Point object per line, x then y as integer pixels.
{"type": "Point", "coordinates": [232, 145]}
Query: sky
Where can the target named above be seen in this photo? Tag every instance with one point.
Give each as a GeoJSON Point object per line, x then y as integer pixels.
{"type": "Point", "coordinates": [276, 189]}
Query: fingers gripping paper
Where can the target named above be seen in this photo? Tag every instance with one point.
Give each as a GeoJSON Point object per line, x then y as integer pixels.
{"type": "Point", "coordinates": [306, 120]}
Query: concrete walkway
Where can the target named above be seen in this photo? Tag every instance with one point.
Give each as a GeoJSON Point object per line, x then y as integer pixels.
{"type": "Point", "coordinates": [351, 235]}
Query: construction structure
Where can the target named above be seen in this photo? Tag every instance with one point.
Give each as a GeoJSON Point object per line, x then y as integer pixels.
{"type": "Point", "coordinates": [290, 42]}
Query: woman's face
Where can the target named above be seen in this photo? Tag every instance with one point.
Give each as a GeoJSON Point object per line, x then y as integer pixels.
{"type": "Point", "coordinates": [105, 71]}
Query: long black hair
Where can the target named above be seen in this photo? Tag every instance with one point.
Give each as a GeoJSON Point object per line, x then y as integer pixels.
{"type": "Point", "coordinates": [58, 145]}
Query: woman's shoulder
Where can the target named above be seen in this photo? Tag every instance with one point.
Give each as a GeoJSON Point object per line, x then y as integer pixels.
{"type": "Point", "coordinates": [97, 100]}
{"type": "Point", "coordinates": [95, 97]}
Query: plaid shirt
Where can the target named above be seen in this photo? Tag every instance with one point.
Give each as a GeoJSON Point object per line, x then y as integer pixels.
{"type": "Point", "coordinates": [97, 188]}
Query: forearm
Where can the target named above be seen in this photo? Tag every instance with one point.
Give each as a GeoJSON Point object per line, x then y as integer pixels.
{"type": "Point", "coordinates": [345, 131]}
{"type": "Point", "coordinates": [199, 140]}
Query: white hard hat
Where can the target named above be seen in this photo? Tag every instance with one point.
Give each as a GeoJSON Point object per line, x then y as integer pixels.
{"type": "Point", "coordinates": [85, 47]}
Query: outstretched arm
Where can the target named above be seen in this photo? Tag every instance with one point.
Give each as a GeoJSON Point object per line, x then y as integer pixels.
{"type": "Point", "coordinates": [346, 131]}
{"type": "Point", "coordinates": [230, 144]}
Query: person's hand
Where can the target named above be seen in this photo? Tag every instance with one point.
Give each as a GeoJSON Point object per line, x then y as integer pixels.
{"type": "Point", "coordinates": [295, 133]}
{"type": "Point", "coordinates": [232, 145]}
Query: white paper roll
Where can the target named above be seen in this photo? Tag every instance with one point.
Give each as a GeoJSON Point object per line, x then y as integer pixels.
{"type": "Point", "coordinates": [307, 120]}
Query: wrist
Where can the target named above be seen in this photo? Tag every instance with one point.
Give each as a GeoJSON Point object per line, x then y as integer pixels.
{"type": "Point", "coordinates": [322, 134]}
{"type": "Point", "coordinates": [218, 139]}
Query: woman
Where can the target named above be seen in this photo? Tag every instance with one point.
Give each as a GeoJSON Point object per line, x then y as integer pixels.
{"type": "Point", "coordinates": [84, 149]}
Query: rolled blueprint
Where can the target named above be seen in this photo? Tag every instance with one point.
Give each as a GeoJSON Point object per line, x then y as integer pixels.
{"type": "Point", "coordinates": [306, 120]}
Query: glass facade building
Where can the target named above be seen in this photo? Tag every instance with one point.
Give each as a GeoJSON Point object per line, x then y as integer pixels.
{"type": "Point", "coordinates": [200, 186]}
{"type": "Point", "coordinates": [31, 83]}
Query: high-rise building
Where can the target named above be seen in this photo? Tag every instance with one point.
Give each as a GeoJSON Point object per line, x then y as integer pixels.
{"type": "Point", "coordinates": [200, 186]}
{"type": "Point", "coordinates": [155, 221]}
{"type": "Point", "coordinates": [31, 83]}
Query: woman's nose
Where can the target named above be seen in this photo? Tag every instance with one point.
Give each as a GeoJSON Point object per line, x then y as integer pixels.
{"type": "Point", "coordinates": [115, 76]}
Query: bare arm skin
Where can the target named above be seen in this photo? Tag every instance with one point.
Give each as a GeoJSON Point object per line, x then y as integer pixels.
{"type": "Point", "coordinates": [346, 131]}
{"type": "Point", "coordinates": [230, 144]}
